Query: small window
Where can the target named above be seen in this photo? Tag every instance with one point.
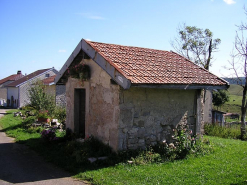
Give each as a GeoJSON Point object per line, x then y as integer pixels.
{"type": "Point", "coordinates": [47, 75]}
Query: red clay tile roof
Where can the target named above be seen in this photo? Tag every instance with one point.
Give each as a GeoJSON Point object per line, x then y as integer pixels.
{"type": "Point", "coordinates": [150, 66]}
{"type": "Point", "coordinates": [49, 80]}
{"type": "Point", "coordinates": [27, 77]}
{"type": "Point", "coordinates": [11, 78]}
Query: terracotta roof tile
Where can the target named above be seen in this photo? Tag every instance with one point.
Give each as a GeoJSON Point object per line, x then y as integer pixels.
{"type": "Point", "coordinates": [11, 78]}
{"type": "Point", "coordinates": [144, 66]}
{"type": "Point", "coordinates": [27, 77]}
{"type": "Point", "coordinates": [49, 80]}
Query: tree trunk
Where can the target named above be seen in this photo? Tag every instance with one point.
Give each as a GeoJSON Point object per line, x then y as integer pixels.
{"type": "Point", "coordinates": [209, 55]}
{"type": "Point", "coordinates": [243, 110]}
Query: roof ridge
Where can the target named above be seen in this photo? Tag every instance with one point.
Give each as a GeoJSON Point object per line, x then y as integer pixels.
{"type": "Point", "coordinates": [125, 45]}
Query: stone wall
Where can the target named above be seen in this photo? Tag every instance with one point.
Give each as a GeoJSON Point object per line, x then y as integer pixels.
{"type": "Point", "coordinates": [60, 95]}
{"type": "Point", "coordinates": [102, 105]}
{"type": "Point", "coordinates": [207, 117]}
{"type": "Point", "coordinates": [148, 116]}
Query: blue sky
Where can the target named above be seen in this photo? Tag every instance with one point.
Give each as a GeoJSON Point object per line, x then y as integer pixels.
{"type": "Point", "coordinates": [39, 34]}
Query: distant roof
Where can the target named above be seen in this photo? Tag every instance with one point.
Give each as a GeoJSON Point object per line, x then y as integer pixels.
{"type": "Point", "coordinates": [145, 66]}
{"type": "Point", "coordinates": [49, 80]}
{"type": "Point", "coordinates": [28, 77]}
{"type": "Point", "coordinates": [11, 78]}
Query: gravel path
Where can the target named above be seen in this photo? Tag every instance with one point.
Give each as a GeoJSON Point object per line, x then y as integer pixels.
{"type": "Point", "coordinates": [20, 165]}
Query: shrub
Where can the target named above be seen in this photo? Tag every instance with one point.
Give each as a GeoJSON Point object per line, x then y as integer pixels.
{"type": "Point", "coordinates": [91, 147]}
{"type": "Point", "coordinates": [223, 132]}
{"type": "Point", "coordinates": [48, 135]}
{"type": "Point", "coordinates": [39, 99]}
{"type": "Point", "coordinates": [146, 157]}
{"type": "Point", "coordinates": [60, 114]}
{"type": "Point", "coordinates": [29, 120]}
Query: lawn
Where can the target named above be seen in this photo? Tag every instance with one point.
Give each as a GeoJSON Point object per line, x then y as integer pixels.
{"type": "Point", "coordinates": [235, 100]}
{"type": "Point", "coordinates": [226, 165]}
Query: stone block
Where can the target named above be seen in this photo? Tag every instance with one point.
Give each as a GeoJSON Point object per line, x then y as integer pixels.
{"type": "Point", "coordinates": [132, 141]}
{"type": "Point", "coordinates": [141, 132]}
{"type": "Point", "coordinates": [136, 114]}
{"type": "Point", "coordinates": [141, 123]}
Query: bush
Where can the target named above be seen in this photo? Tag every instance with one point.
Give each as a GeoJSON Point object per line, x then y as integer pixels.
{"type": "Point", "coordinates": [223, 132]}
{"type": "Point", "coordinates": [48, 135]}
{"type": "Point", "coordinates": [90, 147]}
{"type": "Point", "coordinates": [40, 100]}
{"type": "Point", "coordinates": [60, 114]}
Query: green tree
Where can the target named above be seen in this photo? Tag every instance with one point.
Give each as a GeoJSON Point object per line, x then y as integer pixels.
{"type": "Point", "coordinates": [220, 97]}
{"type": "Point", "coordinates": [196, 44]}
{"type": "Point", "coordinates": [40, 99]}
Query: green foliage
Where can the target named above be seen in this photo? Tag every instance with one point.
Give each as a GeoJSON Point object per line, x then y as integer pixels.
{"type": "Point", "coordinates": [196, 44]}
{"type": "Point", "coordinates": [235, 100]}
{"type": "Point", "coordinates": [29, 120]}
{"type": "Point", "coordinates": [146, 157]}
{"type": "Point", "coordinates": [227, 165]}
{"type": "Point", "coordinates": [220, 97]}
{"type": "Point", "coordinates": [60, 114]}
{"type": "Point", "coordinates": [223, 132]}
{"type": "Point", "coordinates": [40, 99]}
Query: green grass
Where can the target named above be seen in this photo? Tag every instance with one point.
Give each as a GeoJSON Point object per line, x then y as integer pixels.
{"type": "Point", "coordinates": [226, 165]}
{"type": "Point", "coordinates": [235, 90]}
{"type": "Point", "coordinates": [235, 100]}
{"type": "Point", "coordinates": [14, 128]}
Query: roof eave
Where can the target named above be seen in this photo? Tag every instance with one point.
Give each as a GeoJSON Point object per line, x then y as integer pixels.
{"type": "Point", "coordinates": [100, 60]}
{"type": "Point", "coordinates": [181, 86]}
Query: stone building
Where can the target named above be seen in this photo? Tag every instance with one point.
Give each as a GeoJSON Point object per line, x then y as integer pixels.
{"type": "Point", "coordinates": [17, 91]}
{"type": "Point", "coordinates": [57, 90]}
{"type": "Point", "coordinates": [134, 96]}
{"type": "Point", "coordinates": [3, 89]}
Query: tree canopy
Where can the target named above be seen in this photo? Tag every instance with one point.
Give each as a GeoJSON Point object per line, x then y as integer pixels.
{"type": "Point", "coordinates": [220, 97]}
{"type": "Point", "coordinates": [196, 44]}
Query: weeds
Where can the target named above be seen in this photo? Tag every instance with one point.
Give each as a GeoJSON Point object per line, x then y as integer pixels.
{"type": "Point", "coordinates": [232, 132]}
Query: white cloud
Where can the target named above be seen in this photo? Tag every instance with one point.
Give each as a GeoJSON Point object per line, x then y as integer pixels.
{"type": "Point", "coordinates": [96, 17]}
{"type": "Point", "coordinates": [229, 1]}
{"type": "Point", "coordinates": [62, 51]}
{"type": "Point", "coordinates": [88, 39]}
{"type": "Point", "coordinates": [90, 16]}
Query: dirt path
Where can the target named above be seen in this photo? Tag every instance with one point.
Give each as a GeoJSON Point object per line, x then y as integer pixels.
{"type": "Point", "coordinates": [19, 164]}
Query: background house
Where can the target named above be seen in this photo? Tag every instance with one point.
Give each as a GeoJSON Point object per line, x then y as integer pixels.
{"type": "Point", "coordinates": [135, 96]}
{"type": "Point", "coordinates": [17, 91]}
{"type": "Point", "coordinates": [3, 89]}
{"type": "Point", "coordinates": [218, 117]}
{"type": "Point", "coordinates": [56, 90]}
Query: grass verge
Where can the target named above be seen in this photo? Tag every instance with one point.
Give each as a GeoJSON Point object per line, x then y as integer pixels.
{"type": "Point", "coordinates": [226, 165]}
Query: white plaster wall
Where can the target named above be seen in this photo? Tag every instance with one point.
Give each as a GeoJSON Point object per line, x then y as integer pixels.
{"type": "Point", "coordinates": [13, 91]}
{"type": "Point", "coordinates": [102, 105]}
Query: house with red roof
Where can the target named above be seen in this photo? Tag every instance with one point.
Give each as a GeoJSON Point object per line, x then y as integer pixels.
{"type": "Point", "coordinates": [3, 83]}
{"type": "Point", "coordinates": [17, 91]}
{"type": "Point", "coordinates": [132, 97]}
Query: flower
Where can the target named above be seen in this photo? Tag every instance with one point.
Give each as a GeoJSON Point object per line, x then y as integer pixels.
{"type": "Point", "coordinates": [171, 145]}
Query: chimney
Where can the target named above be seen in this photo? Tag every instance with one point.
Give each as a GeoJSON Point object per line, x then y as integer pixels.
{"type": "Point", "coordinates": [19, 72]}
